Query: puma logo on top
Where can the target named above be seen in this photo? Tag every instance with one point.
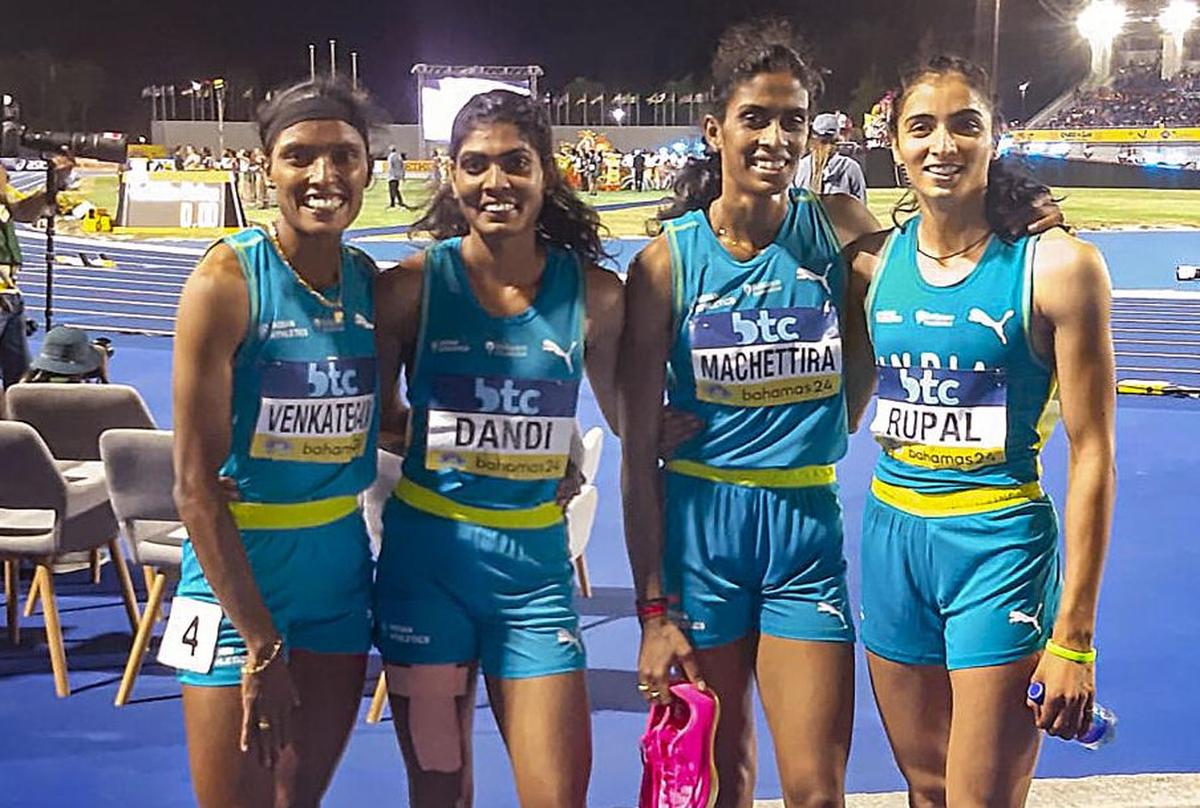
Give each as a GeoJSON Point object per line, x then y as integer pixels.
{"type": "Point", "coordinates": [981, 317]}
{"type": "Point", "coordinates": [1016, 616]}
{"type": "Point", "coordinates": [806, 274]}
{"type": "Point", "coordinates": [553, 347]}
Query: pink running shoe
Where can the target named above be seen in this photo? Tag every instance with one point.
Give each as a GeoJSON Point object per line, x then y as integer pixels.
{"type": "Point", "coordinates": [677, 751]}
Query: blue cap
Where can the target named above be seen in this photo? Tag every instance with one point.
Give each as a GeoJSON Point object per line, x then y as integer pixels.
{"type": "Point", "coordinates": [1036, 692]}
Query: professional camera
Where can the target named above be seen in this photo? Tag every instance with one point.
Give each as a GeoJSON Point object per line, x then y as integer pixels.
{"type": "Point", "coordinates": [107, 146]}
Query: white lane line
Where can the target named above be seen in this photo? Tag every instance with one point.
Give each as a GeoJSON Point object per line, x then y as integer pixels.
{"type": "Point", "coordinates": [25, 285]}
{"type": "Point", "coordinates": [93, 313]}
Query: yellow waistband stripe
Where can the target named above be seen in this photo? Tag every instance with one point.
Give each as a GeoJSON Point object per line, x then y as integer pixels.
{"type": "Point", "coordinates": [801, 477]}
{"type": "Point", "coordinates": [955, 503]}
{"type": "Point", "coordinates": [291, 515]}
{"type": "Point", "coordinates": [545, 515]}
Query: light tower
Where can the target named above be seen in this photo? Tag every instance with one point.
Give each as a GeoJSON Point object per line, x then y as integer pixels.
{"type": "Point", "coordinates": [1175, 19]}
{"type": "Point", "coordinates": [1100, 23]}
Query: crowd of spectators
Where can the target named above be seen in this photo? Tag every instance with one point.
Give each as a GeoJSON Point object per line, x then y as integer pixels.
{"type": "Point", "coordinates": [1136, 97]}
{"type": "Point", "coordinates": [248, 164]}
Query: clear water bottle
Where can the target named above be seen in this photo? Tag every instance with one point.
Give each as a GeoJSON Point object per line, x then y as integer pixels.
{"type": "Point", "coordinates": [1103, 729]}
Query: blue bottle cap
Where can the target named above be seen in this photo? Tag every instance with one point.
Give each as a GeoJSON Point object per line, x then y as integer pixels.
{"type": "Point", "coordinates": [1036, 692]}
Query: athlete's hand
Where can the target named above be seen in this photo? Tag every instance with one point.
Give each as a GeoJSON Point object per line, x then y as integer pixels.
{"type": "Point", "coordinates": [569, 486]}
{"type": "Point", "coordinates": [1043, 214]}
{"type": "Point", "coordinates": [268, 698]}
{"type": "Point", "coordinates": [677, 428]}
{"type": "Point", "coordinates": [229, 489]}
{"type": "Point", "coordinates": [664, 646]}
{"type": "Point", "coordinates": [1066, 708]}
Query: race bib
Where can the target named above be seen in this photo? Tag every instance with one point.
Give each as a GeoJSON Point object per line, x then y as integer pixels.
{"type": "Point", "coordinates": [315, 412]}
{"type": "Point", "coordinates": [766, 357]}
{"type": "Point", "coordinates": [937, 418]}
{"type": "Point", "coordinates": [497, 426]}
{"type": "Point", "coordinates": [190, 640]}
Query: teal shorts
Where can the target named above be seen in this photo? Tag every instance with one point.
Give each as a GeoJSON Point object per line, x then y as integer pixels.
{"type": "Point", "coordinates": [451, 592]}
{"type": "Point", "coordinates": [315, 582]}
{"type": "Point", "coordinates": [744, 560]}
{"type": "Point", "coordinates": [959, 591]}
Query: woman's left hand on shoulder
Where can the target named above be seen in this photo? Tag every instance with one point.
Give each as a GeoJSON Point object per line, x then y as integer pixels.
{"type": "Point", "coordinates": [1042, 215]}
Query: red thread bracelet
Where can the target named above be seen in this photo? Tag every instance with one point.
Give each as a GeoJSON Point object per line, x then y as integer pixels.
{"type": "Point", "coordinates": [654, 607]}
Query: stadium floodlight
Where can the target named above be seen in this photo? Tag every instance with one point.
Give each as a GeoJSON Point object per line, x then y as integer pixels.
{"type": "Point", "coordinates": [1102, 20]}
{"type": "Point", "coordinates": [1178, 17]}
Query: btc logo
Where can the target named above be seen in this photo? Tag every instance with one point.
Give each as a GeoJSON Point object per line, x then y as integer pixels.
{"type": "Point", "coordinates": [928, 389]}
{"type": "Point", "coordinates": [763, 328]}
{"type": "Point", "coordinates": [326, 379]}
{"type": "Point", "coordinates": [508, 398]}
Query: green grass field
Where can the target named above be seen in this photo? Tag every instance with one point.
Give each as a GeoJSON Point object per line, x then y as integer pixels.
{"type": "Point", "coordinates": [1085, 208]}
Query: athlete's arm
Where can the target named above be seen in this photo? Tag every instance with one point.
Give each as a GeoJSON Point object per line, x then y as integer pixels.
{"type": "Point", "coordinates": [1072, 297]}
{"type": "Point", "coordinates": [858, 358]}
{"type": "Point", "coordinates": [850, 218]}
{"type": "Point", "coordinates": [645, 347]}
{"type": "Point", "coordinates": [605, 319]}
{"type": "Point", "coordinates": [212, 319]}
{"type": "Point", "coordinates": [397, 322]}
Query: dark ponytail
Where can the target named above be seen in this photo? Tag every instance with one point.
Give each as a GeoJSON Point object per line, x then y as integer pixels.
{"type": "Point", "coordinates": [1011, 187]}
{"type": "Point", "coordinates": [696, 185]}
{"type": "Point", "coordinates": [745, 50]}
{"type": "Point", "coordinates": [564, 222]}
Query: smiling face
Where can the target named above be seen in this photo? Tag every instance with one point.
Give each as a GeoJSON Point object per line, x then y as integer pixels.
{"type": "Point", "coordinates": [498, 181]}
{"type": "Point", "coordinates": [763, 132]}
{"type": "Point", "coordinates": [320, 169]}
{"type": "Point", "coordinates": [944, 137]}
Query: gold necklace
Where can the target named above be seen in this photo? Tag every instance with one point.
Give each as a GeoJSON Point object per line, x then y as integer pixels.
{"type": "Point", "coordinates": [336, 305]}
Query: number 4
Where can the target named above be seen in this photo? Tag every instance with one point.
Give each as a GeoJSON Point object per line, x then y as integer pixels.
{"type": "Point", "coordinates": [189, 634]}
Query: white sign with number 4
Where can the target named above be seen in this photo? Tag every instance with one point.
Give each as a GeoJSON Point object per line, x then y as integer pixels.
{"type": "Point", "coordinates": [190, 640]}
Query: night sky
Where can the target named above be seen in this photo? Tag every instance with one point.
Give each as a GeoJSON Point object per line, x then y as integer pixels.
{"type": "Point", "coordinates": [629, 45]}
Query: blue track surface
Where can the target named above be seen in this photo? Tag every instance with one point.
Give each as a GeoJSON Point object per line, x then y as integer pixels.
{"type": "Point", "coordinates": [68, 752]}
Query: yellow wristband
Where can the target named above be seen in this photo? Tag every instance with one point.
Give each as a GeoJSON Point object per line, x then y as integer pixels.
{"type": "Point", "coordinates": [1082, 657]}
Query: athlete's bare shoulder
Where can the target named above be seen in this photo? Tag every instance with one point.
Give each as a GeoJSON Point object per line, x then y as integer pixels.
{"type": "Point", "coordinates": [653, 262]}
{"type": "Point", "coordinates": [402, 281]}
{"type": "Point", "coordinates": [398, 298]}
{"type": "Point", "coordinates": [1069, 275]}
{"type": "Point", "coordinates": [604, 287]}
{"type": "Point", "coordinates": [864, 253]}
{"type": "Point", "coordinates": [220, 264]}
{"type": "Point", "coordinates": [1064, 261]}
{"type": "Point", "coordinates": [850, 218]}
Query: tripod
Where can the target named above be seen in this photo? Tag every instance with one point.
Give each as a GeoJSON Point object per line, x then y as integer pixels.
{"type": "Point", "coordinates": [51, 212]}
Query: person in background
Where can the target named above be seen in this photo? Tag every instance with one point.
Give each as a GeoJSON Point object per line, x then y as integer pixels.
{"type": "Point", "coordinates": [826, 171]}
{"type": "Point", "coordinates": [395, 178]}
{"type": "Point", "coordinates": [68, 355]}
{"type": "Point", "coordinates": [16, 206]}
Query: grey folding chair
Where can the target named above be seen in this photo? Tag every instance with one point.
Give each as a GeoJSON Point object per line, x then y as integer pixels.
{"type": "Point", "coordinates": [45, 512]}
{"type": "Point", "coordinates": [141, 476]}
{"type": "Point", "coordinates": [70, 418]}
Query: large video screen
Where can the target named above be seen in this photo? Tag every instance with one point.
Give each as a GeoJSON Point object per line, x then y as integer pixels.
{"type": "Point", "coordinates": [442, 98]}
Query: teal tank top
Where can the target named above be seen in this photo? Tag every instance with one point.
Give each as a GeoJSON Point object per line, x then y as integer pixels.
{"type": "Point", "coordinates": [304, 380]}
{"type": "Point", "coordinates": [757, 351]}
{"type": "Point", "coordinates": [493, 398]}
{"type": "Point", "coordinates": [963, 402]}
